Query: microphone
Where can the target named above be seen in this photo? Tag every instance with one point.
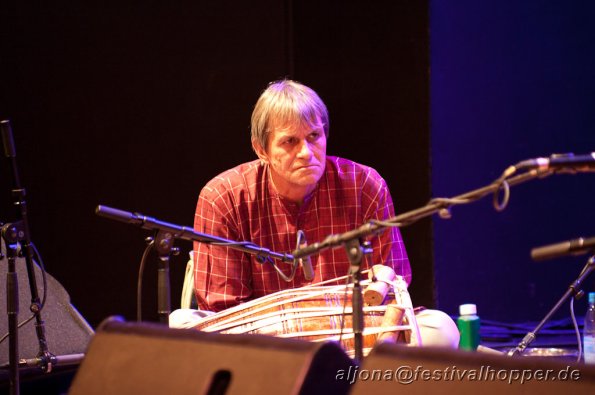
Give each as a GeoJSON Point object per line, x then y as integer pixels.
{"type": "Point", "coordinates": [307, 267]}
{"type": "Point", "coordinates": [55, 360]}
{"type": "Point", "coordinates": [49, 359]}
{"type": "Point", "coordinates": [571, 247]}
{"type": "Point", "coordinates": [121, 215]}
{"type": "Point", "coordinates": [7, 139]}
{"type": "Point", "coordinates": [560, 162]}
{"type": "Point", "coordinates": [305, 262]}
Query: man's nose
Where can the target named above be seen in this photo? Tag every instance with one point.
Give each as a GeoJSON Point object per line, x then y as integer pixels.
{"type": "Point", "coordinates": [305, 151]}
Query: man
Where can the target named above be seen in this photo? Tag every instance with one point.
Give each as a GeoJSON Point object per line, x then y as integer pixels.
{"type": "Point", "coordinates": [293, 186]}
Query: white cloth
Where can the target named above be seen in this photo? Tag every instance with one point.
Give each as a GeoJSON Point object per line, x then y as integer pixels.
{"type": "Point", "coordinates": [184, 318]}
{"type": "Point", "coordinates": [188, 287]}
{"type": "Point", "coordinates": [437, 329]}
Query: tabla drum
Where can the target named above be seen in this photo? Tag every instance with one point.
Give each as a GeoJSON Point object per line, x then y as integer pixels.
{"type": "Point", "coordinates": [314, 313]}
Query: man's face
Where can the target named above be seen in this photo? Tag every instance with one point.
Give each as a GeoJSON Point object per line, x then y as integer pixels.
{"type": "Point", "coordinates": [297, 158]}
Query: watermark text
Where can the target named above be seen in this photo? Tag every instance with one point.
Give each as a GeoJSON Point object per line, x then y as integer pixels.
{"type": "Point", "coordinates": [406, 374]}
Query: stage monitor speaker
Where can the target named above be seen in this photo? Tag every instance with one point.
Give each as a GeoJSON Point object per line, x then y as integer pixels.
{"type": "Point", "coordinates": [127, 358]}
{"type": "Point", "coordinates": [393, 369]}
{"type": "Point", "coordinates": [66, 331]}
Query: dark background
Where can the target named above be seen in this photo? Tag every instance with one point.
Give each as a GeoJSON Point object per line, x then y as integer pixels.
{"type": "Point", "coordinates": [511, 80]}
{"type": "Point", "coordinates": [138, 106]}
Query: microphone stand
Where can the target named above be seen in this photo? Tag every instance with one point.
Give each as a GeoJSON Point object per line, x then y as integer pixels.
{"type": "Point", "coordinates": [356, 249]}
{"type": "Point", "coordinates": [166, 234]}
{"type": "Point", "coordinates": [12, 308]}
{"type": "Point", "coordinates": [350, 239]}
{"type": "Point", "coordinates": [410, 217]}
{"type": "Point", "coordinates": [19, 232]}
{"type": "Point", "coordinates": [355, 255]}
{"type": "Point", "coordinates": [574, 290]}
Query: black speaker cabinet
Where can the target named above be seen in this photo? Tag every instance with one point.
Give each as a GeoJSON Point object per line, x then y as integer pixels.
{"type": "Point", "coordinates": [127, 358]}
{"type": "Point", "coordinates": [67, 332]}
{"type": "Point", "coordinates": [392, 369]}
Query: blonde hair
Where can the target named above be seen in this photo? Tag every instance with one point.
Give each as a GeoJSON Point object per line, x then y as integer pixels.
{"type": "Point", "coordinates": [285, 103]}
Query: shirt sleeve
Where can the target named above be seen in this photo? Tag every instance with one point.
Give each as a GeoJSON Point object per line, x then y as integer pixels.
{"type": "Point", "coordinates": [388, 246]}
{"type": "Point", "coordinates": [222, 276]}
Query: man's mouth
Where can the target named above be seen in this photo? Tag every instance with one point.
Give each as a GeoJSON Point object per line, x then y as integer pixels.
{"type": "Point", "coordinates": [307, 167]}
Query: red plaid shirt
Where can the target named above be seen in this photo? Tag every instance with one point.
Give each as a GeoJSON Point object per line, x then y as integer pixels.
{"type": "Point", "coordinates": [241, 204]}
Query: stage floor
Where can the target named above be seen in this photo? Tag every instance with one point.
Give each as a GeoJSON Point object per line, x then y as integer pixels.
{"type": "Point", "coordinates": [556, 338]}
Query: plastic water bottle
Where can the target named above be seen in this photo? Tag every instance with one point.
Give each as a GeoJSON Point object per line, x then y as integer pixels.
{"type": "Point", "coordinates": [468, 324]}
{"type": "Point", "coordinates": [589, 331]}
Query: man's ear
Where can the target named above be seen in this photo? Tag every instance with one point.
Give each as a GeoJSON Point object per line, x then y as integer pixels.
{"type": "Point", "coordinates": [260, 151]}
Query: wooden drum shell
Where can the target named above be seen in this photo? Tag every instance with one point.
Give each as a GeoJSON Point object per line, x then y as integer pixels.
{"type": "Point", "coordinates": [310, 313]}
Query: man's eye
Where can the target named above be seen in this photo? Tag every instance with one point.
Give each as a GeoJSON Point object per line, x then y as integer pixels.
{"type": "Point", "coordinates": [314, 135]}
{"type": "Point", "coordinates": [289, 141]}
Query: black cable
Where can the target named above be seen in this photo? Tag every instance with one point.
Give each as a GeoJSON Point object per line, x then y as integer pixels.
{"type": "Point", "coordinates": [139, 284]}
{"type": "Point", "coordinates": [502, 185]}
{"type": "Point", "coordinates": [42, 305]}
{"type": "Point", "coordinates": [43, 275]}
{"type": "Point", "coordinates": [578, 334]}
{"type": "Point", "coordinates": [344, 308]}
{"type": "Point", "coordinates": [300, 237]}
